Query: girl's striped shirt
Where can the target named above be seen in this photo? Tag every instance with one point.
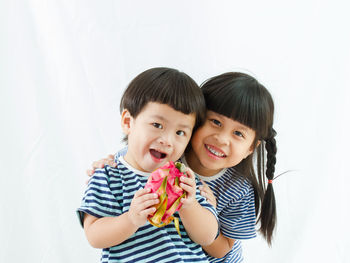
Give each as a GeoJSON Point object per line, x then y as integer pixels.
{"type": "Point", "coordinates": [235, 209]}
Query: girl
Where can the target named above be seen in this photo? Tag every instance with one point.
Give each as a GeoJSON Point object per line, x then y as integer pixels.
{"type": "Point", "coordinates": [238, 127]}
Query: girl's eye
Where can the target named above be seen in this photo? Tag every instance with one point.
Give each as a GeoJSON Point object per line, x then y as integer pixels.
{"type": "Point", "coordinates": [216, 122]}
{"type": "Point", "coordinates": [157, 125]}
{"type": "Point", "coordinates": [181, 133]}
{"type": "Point", "coordinates": [238, 133]}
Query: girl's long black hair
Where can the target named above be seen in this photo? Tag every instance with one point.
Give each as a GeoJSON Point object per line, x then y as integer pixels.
{"type": "Point", "coordinates": [242, 98]}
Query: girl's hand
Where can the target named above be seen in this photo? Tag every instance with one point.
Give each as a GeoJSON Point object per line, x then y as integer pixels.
{"type": "Point", "coordinates": [100, 164]}
{"type": "Point", "coordinates": [207, 193]}
{"type": "Point", "coordinates": [189, 185]}
{"type": "Point", "coordinates": [141, 206]}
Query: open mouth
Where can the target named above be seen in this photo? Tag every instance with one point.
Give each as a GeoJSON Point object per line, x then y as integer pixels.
{"type": "Point", "coordinates": [157, 154]}
{"type": "Point", "coordinates": [215, 151]}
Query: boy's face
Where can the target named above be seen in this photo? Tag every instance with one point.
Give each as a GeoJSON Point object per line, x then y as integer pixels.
{"type": "Point", "coordinates": [157, 135]}
{"type": "Point", "coordinates": [220, 143]}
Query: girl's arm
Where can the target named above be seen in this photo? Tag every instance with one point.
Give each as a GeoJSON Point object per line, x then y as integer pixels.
{"type": "Point", "coordinates": [200, 224]}
{"type": "Point", "coordinates": [110, 231]}
{"type": "Point", "coordinates": [108, 160]}
{"type": "Point", "coordinates": [222, 244]}
{"type": "Point", "coordinates": [220, 247]}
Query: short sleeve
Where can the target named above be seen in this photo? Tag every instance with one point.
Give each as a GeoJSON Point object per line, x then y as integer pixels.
{"type": "Point", "coordinates": [99, 200]}
{"type": "Point", "coordinates": [237, 220]}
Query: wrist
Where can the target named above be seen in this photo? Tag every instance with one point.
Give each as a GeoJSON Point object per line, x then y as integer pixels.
{"type": "Point", "coordinates": [189, 207]}
{"type": "Point", "coordinates": [131, 220]}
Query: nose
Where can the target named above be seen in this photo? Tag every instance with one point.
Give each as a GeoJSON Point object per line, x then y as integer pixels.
{"type": "Point", "coordinates": [222, 138]}
{"type": "Point", "coordinates": [165, 139]}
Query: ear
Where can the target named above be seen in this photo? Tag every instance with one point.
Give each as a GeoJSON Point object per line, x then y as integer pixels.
{"type": "Point", "coordinates": [126, 120]}
{"type": "Point", "coordinates": [251, 150]}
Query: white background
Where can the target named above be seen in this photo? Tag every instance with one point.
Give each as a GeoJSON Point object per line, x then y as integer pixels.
{"type": "Point", "coordinates": [64, 65]}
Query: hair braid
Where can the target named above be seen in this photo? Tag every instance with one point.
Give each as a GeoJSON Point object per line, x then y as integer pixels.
{"type": "Point", "coordinates": [268, 208]}
{"type": "Point", "coordinates": [271, 157]}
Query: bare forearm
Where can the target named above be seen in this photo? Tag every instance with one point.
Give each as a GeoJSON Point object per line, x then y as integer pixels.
{"type": "Point", "coordinates": [108, 231]}
{"type": "Point", "coordinates": [200, 224]}
{"type": "Point", "coordinates": [220, 247]}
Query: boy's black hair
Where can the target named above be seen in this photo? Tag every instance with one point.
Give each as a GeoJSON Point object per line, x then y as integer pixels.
{"type": "Point", "coordinates": [166, 86]}
{"type": "Point", "coordinates": [242, 98]}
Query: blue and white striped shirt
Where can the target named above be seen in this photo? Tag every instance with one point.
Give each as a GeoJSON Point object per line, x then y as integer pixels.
{"type": "Point", "coordinates": [110, 192]}
{"type": "Point", "coordinates": [235, 209]}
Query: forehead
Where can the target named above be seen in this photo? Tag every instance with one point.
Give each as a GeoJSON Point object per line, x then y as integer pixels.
{"type": "Point", "coordinates": [166, 113]}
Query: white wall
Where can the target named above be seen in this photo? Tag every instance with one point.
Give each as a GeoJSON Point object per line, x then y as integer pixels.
{"type": "Point", "coordinates": [64, 65]}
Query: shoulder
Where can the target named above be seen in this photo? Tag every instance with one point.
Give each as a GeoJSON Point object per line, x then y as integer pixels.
{"type": "Point", "coordinates": [114, 173]}
{"type": "Point", "coordinates": [235, 184]}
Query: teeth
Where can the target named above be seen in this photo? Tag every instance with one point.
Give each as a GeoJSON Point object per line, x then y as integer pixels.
{"type": "Point", "coordinates": [214, 152]}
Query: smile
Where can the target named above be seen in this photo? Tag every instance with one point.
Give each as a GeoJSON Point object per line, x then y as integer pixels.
{"type": "Point", "coordinates": [214, 152]}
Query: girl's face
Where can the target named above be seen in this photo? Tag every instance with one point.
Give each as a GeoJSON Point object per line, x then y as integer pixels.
{"type": "Point", "coordinates": [220, 143]}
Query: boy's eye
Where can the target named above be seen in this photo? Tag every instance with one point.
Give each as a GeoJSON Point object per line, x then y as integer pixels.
{"type": "Point", "coordinates": [157, 125]}
{"type": "Point", "coordinates": [181, 133]}
{"type": "Point", "coordinates": [238, 133]}
{"type": "Point", "coordinates": [216, 122]}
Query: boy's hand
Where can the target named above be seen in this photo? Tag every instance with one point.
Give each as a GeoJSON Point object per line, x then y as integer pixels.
{"type": "Point", "coordinates": [207, 193]}
{"type": "Point", "coordinates": [189, 185]}
{"type": "Point", "coordinates": [141, 206]}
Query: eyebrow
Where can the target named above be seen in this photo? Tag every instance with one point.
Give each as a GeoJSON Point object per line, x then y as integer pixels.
{"type": "Point", "coordinates": [164, 119]}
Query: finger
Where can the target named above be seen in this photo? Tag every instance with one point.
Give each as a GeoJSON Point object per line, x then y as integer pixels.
{"type": "Point", "coordinates": [143, 195]}
{"type": "Point", "coordinates": [187, 180]}
{"type": "Point", "coordinates": [148, 211]}
{"type": "Point", "coordinates": [98, 164]}
{"type": "Point", "coordinates": [90, 172]}
{"type": "Point", "coordinates": [141, 192]}
{"type": "Point", "coordinates": [110, 156]}
{"type": "Point", "coordinates": [111, 163]}
{"type": "Point", "coordinates": [204, 194]}
{"type": "Point", "coordinates": [148, 203]}
{"type": "Point", "coordinates": [110, 160]}
{"type": "Point", "coordinates": [187, 188]}
{"type": "Point", "coordinates": [190, 173]}
{"type": "Point", "coordinates": [146, 197]}
{"type": "Point", "coordinates": [204, 183]}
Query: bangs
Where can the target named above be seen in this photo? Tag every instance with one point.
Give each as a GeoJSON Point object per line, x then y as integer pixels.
{"type": "Point", "coordinates": [166, 86]}
{"type": "Point", "coordinates": [176, 91]}
{"type": "Point", "coordinates": [241, 98]}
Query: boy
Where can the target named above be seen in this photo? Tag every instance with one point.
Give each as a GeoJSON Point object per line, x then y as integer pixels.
{"type": "Point", "coordinates": [159, 111]}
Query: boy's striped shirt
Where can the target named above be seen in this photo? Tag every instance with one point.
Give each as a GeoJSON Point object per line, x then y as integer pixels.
{"type": "Point", "coordinates": [110, 192]}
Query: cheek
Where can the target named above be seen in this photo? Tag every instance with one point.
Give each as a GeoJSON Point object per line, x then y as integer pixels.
{"type": "Point", "coordinates": [247, 150]}
{"type": "Point", "coordinates": [195, 141]}
{"type": "Point", "coordinates": [181, 147]}
{"type": "Point", "coordinates": [198, 137]}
